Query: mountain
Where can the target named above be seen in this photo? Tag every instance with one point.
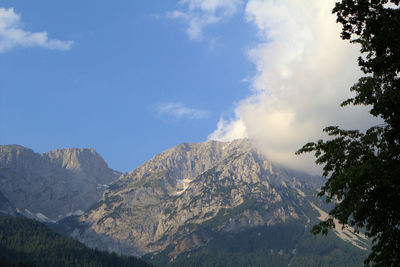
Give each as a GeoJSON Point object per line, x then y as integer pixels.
{"type": "Point", "coordinates": [211, 201]}
{"type": "Point", "coordinates": [6, 207]}
{"type": "Point", "coordinates": [52, 185]}
{"type": "Point", "coordinates": [26, 242]}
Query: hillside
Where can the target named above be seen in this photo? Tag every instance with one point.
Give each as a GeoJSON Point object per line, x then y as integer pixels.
{"type": "Point", "coordinates": [25, 242]}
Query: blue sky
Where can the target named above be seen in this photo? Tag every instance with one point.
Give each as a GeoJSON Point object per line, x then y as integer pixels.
{"type": "Point", "coordinates": [133, 78]}
{"type": "Point", "coordinates": [132, 84]}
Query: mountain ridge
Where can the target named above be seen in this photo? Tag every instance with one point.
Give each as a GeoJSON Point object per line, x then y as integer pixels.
{"type": "Point", "coordinates": [183, 202]}
{"type": "Point", "coordinates": [54, 184]}
{"type": "Point", "coordinates": [186, 195]}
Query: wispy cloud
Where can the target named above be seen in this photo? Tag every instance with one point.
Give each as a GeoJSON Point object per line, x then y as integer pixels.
{"type": "Point", "coordinates": [12, 34]}
{"type": "Point", "coordinates": [198, 14]}
{"type": "Point", "coordinates": [179, 111]}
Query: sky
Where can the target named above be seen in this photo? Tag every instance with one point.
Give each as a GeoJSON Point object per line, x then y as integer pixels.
{"type": "Point", "coordinates": [133, 78]}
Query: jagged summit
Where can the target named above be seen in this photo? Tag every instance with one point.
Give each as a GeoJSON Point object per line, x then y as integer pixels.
{"type": "Point", "coordinates": [188, 194]}
{"type": "Point", "coordinates": [82, 160]}
{"type": "Point", "coordinates": [188, 200]}
{"type": "Point", "coordinates": [188, 160]}
{"type": "Point", "coordinates": [55, 184]}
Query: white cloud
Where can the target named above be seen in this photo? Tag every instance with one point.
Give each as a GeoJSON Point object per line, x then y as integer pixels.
{"type": "Point", "coordinates": [304, 72]}
{"type": "Point", "coordinates": [13, 35]}
{"type": "Point", "coordinates": [229, 130]}
{"type": "Point", "coordinates": [201, 13]}
{"type": "Point", "coordinates": [179, 110]}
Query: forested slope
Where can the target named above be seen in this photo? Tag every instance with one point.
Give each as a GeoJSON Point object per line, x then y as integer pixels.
{"type": "Point", "coordinates": [25, 242]}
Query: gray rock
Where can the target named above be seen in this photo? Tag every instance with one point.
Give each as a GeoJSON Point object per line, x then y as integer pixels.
{"type": "Point", "coordinates": [55, 184]}
{"type": "Point", "coordinates": [6, 207]}
{"type": "Point", "coordinates": [185, 194]}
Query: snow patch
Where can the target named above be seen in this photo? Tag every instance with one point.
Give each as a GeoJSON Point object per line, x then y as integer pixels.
{"type": "Point", "coordinates": [74, 213]}
{"type": "Point", "coordinates": [39, 216]}
{"type": "Point", "coordinates": [182, 185]}
{"type": "Point", "coordinates": [102, 186]}
{"type": "Point", "coordinates": [347, 234]}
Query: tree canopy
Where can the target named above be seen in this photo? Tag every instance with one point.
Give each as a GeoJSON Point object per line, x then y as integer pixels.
{"type": "Point", "coordinates": [363, 168]}
{"type": "Point", "coordinates": [26, 242]}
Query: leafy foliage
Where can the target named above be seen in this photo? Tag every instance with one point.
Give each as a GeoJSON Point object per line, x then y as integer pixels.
{"type": "Point", "coordinates": [25, 242]}
{"type": "Point", "coordinates": [363, 169]}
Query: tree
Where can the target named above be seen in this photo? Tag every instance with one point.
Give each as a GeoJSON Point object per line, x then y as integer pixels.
{"type": "Point", "coordinates": [363, 168]}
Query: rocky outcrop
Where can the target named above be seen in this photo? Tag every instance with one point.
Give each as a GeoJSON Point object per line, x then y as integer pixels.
{"type": "Point", "coordinates": [183, 201]}
{"type": "Point", "coordinates": [55, 184]}
{"type": "Point", "coordinates": [6, 207]}
{"type": "Point", "coordinates": [182, 197]}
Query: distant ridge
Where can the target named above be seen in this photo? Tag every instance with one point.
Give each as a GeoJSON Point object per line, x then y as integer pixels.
{"type": "Point", "coordinates": [55, 184]}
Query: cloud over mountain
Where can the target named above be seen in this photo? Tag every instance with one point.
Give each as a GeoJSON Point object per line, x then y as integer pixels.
{"type": "Point", "coordinates": [304, 72]}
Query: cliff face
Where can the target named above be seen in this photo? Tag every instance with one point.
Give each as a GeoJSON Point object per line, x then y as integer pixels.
{"type": "Point", "coordinates": [55, 184]}
{"type": "Point", "coordinates": [6, 207]}
{"type": "Point", "coordinates": [179, 200]}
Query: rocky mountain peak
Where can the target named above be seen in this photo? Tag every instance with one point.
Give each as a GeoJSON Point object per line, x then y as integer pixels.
{"type": "Point", "coordinates": [188, 160]}
{"type": "Point", "coordinates": [14, 149]}
{"type": "Point", "coordinates": [52, 185]}
{"type": "Point", "coordinates": [18, 157]}
{"type": "Point", "coordinates": [81, 161]}
{"type": "Point", "coordinates": [177, 204]}
{"type": "Point", "coordinates": [190, 192]}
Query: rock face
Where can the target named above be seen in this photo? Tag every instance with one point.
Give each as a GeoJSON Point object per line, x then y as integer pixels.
{"type": "Point", "coordinates": [6, 207]}
{"type": "Point", "coordinates": [55, 184]}
{"type": "Point", "coordinates": [179, 200]}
